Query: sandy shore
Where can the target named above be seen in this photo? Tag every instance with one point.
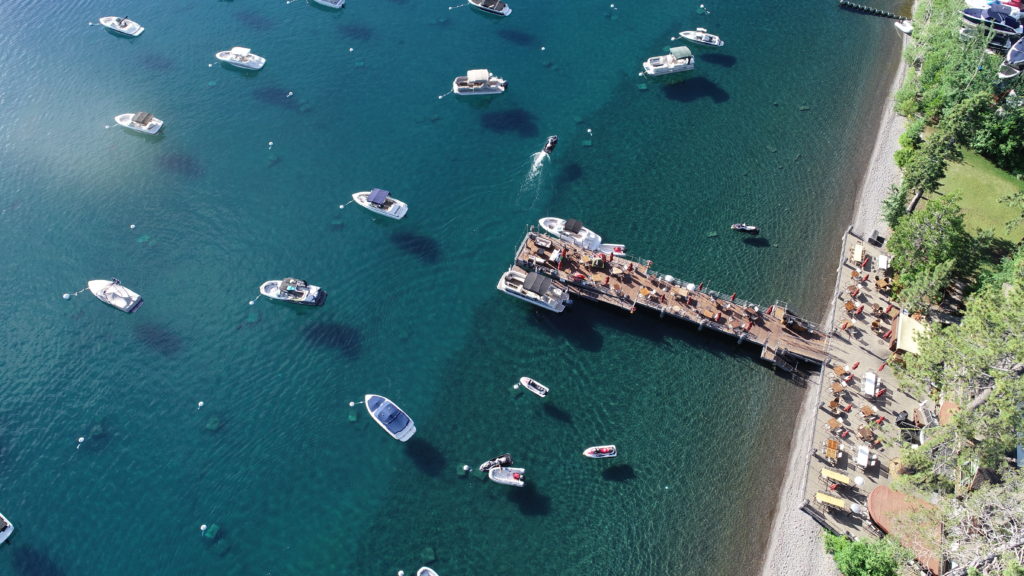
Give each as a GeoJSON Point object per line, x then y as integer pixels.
{"type": "Point", "coordinates": [796, 545]}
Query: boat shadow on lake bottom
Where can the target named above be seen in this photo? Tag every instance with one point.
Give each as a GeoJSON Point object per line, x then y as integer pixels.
{"type": "Point", "coordinates": [694, 89]}
{"type": "Point", "coordinates": [425, 456]}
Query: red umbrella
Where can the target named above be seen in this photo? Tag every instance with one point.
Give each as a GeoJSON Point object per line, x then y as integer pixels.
{"type": "Point", "coordinates": [769, 310]}
{"type": "Point", "coordinates": [844, 326]}
{"type": "Point", "coordinates": [882, 367]}
{"type": "Point", "coordinates": [718, 316]}
{"type": "Point", "coordinates": [887, 308]}
{"type": "Point", "coordinates": [855, 292]}
{"type": "Point", "coordinates": [748, 327]}
{"type": "Point", "coordinates": [860, 309]}
{"type": "Point", "coordinates": [886, 335]}
{"type": "Point", "coordinates": [865, 278]}
{"type": "Point", "coordinates": [733, 297]}
{"type": "Point", "coordinates": [864, 262]}
{"type": "Point", "coordinates": [855, 364]}
{"type": "Point", "coordinates": [700, 287]}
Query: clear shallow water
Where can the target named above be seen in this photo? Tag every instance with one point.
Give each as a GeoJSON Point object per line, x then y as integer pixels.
{"type": "Point", "coordinates": [412, 313]}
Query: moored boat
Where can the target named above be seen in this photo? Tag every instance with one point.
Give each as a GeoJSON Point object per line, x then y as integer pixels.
{"type": "Point", "coordinates": [572, 230]}
{"type": "Point", "coordinates": [534, 288]}
{"type": "Point", "coordinates": [533, 386]}
{"type": "Point", "coordinates": [381, 202]}
{"type": "Point", "coordinates": [1014, 61]}
{"type": "Point", "coordinates": [6, 529]}
{"type": "Point", "coordinates": [744, 227]}
{"type": "Point", "coordinates": [997, 43]}
{"type": "Point", "coordinates": [113, 293]}
{"type": "Point", "coordinates": [679, 59]}
{"type": "Point", "coordinates": [702, 36]}
{"type": "Point", "coordinates": [479, 82]}
{"type": "Point", "coordinates": [504, 460]}
{"type": "Point", "coordinates": [608, 451]}
{"type": "Point", "coordinates": [905, 26]}
{"type": "Point", "coordinates": [1007, 7]}
{"type": "Point", "coordinates": [549, 146]}
{"type": "Point", "coordinates": [508, 476]}
{"type": "Point", "coordinates": [996, 18]}
{"type": "Point", "coordinates": [140, 122]}
{"type": "Point", "coordinates": [426, 571]}
{"type": "Point", "coordinates": [331, 3]}
{"type": "Point", "coordinates": [121, 25]}
{"type": "Point", "coordinates": [293, 290]}
{"type": "Point", "coordinates": [390, 417]}
{"type": "Point", "coordinates": [241, 57]}
{"type": "Point", "coordinates": [496, 7]}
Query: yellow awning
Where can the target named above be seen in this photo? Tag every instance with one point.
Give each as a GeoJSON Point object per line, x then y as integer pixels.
{"type": "Point", "coordinates": [830, 500]}
{"type": "Point", "coordinates": [833, 475]}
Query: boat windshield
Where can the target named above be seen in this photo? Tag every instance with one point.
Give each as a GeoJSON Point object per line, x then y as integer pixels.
{"type": "Point", "coordinates": [391, 417]}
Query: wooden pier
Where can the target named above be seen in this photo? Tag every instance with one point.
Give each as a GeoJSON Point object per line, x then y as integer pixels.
{"type": "Point", "coordinates": [629, 284]}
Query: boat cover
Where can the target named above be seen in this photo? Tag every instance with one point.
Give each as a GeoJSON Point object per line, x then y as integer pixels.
{"type": "Point", "coordinates": [572, 226]}
{"type": "Point", "coordinates": [378, 196]}
{"type": "Point", "coordinates": [239, 51]}
{"type": "Point", "coordinates": [385, 412]}
{"type": "Point", "coordinates": [1016, 54]}
{"type": "Point", "coordinates": [480, 75]}
{"type": "Point", "coordinates": [142, 117]}
{"type": "Point", "coordinates": [990, 17]}
{"type": "Point", "coordinates": [681, 52]}
{"type": "Point", "coordinates": [536, 283]}
{"type": "Point", "coordinates": [496, 4]}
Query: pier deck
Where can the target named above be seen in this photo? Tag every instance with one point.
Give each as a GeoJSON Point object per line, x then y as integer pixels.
{"type": "Point", "coordinates": [629, 284]}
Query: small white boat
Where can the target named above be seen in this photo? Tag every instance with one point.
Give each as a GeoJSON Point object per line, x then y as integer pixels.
{"type": "Point", "coordinates": [293, 290]}
{"type": "Point", "coordinates": [391, 418]}
{"type": "Point", "coordinates": [113, 293]}
{"type": "Point", "coordinates": [496, 7]}
{"type": "Point", "coordinates": [905, 26]}
{"type": "Point", "coordinates": [744, 227]}
{"type": "Point", "coordinates": [534, 288]}
{"type": "Point", "coordinates": [331, 3]}
{"type": "Point", "coordinates": [140, 122]}
{"type": "Point", "coordinates": [508, 476]}
{"type": "Point", "coordinates": [701, 36]}
{"type": "Point", "coordinates": [533, 386]}
{"type": "Point", "coordinates": [679, 59]}
{"type": "Point", "coordinates": [426, 571]}
{"type": "Point", "coordinates": [1013, 11]}
{"type": "Point", "coordinates": [241, 58]}
{"type": "Point", "coordinates": [381, 202]}
{"type": "Point", "coordinates": [608, 451]}
{"type": "Point", "coordinates": [573, 231]}
{"type": "Point", "coordinates": [6, 529]}
{"type": "Point", "coordinates": [500, 461]}
{"type": "Point", "coordinates": [478, 82]}
{"type": "Point", "coordinates": [121, 25]}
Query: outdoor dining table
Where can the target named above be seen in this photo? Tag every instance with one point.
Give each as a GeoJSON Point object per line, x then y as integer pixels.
{"type": "Point", "coordinates": [832, 450]}
{"type": "Point", "coordinates": [867, 411]}
{"type": "Point", "coordinates": [833, 424]}
{"type": "Point", "coordinates": [870, 384]}
{"type": "Point", "coordinates": [832, 501]}
{"type": "Point", "coordinates": [863, 456]}
{"type": "Point", "coordinates": [858, 253]}
{"type": "Point", "coordinates": [840, 370]}
{"type": "Point", "coordinates": [882, 283]}
{"type": "Point", "coordinates": [866, 434]}
{"type": "Point", "coordinates": [837, 388]}
{"type": "Point", "coordinates": [835, 476]}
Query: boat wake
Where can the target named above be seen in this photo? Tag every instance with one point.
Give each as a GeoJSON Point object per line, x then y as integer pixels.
{"type": "Point", "coordinates": [533, 182]}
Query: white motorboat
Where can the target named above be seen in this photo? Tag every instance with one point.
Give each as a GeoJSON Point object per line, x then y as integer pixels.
{"type": "Point", "coordinates": [496, 7]}
{"type": "Point", "coordinates": [426, 571]}
{"type": "Point", "coordinates": [744, 227]}
{"type": "Point", "coordinates": [140, 122]}
{"type": "Point", "coordinates": [478, 82]}
{"type": "Point", "coordinates": [241, 58]}
{"type": "Point", "coordinates": [534, 288]}
{"type": "Point", "coordinates": [331, 3]}
{"type": "Point", "coordinates": [113, 293]}
{"type": "Point", "coordinates": [500, 461]}
{"type": "Point", "coordinates": [572, 230]}
{"type": "Point", "coordinates": [121, 25]}
{"type": "Point", "coordinates": [381, 202]}
{"type": "Point", "coordinates": [905, 26]}
{"type": "Point", "coordinates": [293, 290]}
{"type": "Point", "coordinates": [679, 59]}
{"type": "Point", "coordinates": [701, 36]}
{"type": "Point", "coordinates": [6, 529]}
{"type": "Point", "coordinates": [390, 417]}
{"type": "Point", "coordinates": [1014, 61]}
{"type": "Point", "coordinates": [508, 476]}
{"type": "Point", "coordinates": [608, 451]}
{"type": "Point", "coordinates": [533, 386]}
{"type": "Point", "coordinates": [994, 17]}
{"type": "Point", "coordinates": [1013, 11]}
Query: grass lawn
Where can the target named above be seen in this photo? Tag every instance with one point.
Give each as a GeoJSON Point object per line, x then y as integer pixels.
{"type": "Point", "coordinates": [980, 185]}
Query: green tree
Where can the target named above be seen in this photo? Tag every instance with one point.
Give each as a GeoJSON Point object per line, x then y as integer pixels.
{"type": "Point", "coordinates": [927, 238]}
{"type": "Point", "coordinates": [926, 287]}
{"type": "Point", "coordinates": [894, 207]}
{"type": "Point", "coordinates": [868, 557]}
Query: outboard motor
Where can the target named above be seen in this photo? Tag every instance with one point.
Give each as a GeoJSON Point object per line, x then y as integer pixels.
{"type": "Point", "coordinates": [550, 146]}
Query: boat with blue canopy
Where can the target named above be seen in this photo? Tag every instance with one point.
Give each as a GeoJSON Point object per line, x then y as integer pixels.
{"type": "Point", "coordinates": [391, 418]}
{"type": "Point", "coordinates": [381, 202]}
{"type": "Point", "coordinates": [995, 18]}
{"type": "Point", "coordinates": [1014, 61]}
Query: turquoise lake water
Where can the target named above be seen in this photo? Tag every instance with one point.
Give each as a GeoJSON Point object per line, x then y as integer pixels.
{"type": "Point", "coordinates": [772, 129]}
